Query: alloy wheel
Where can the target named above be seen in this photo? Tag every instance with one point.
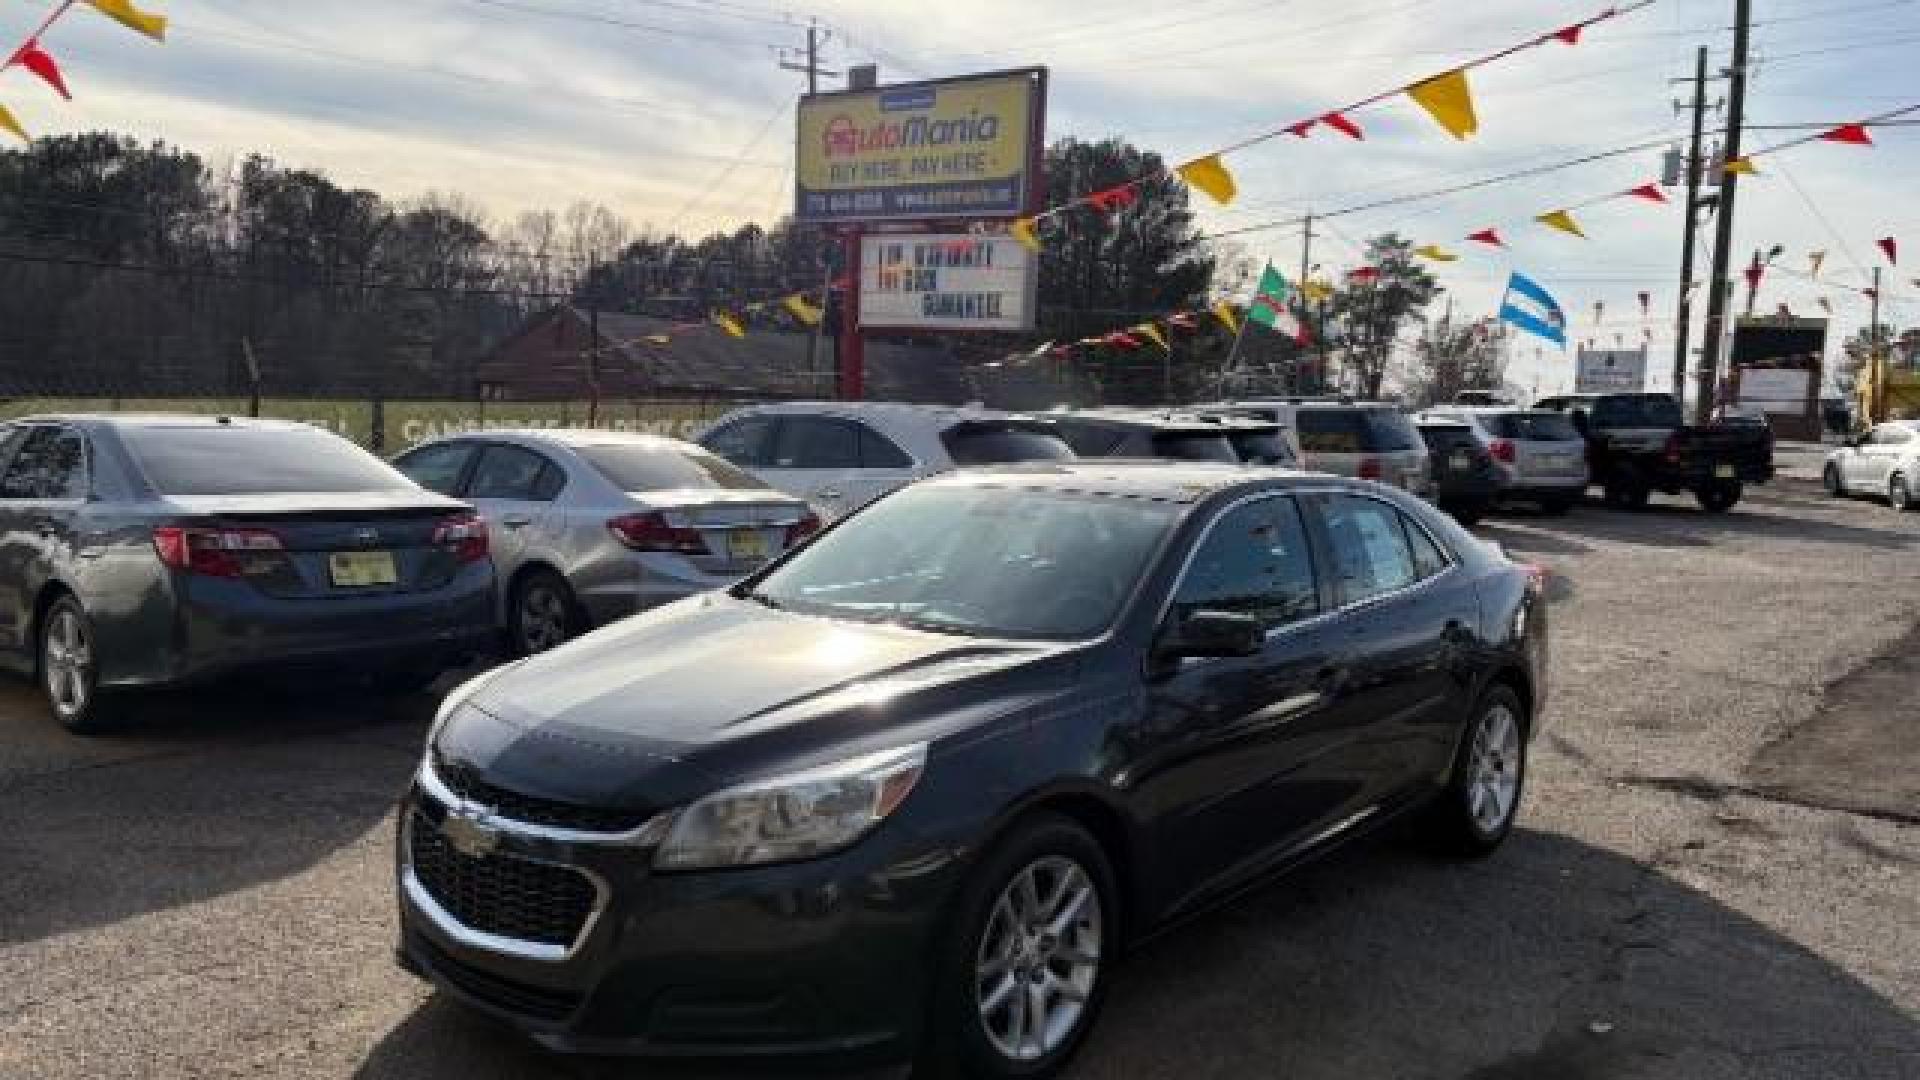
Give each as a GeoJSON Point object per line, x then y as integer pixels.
{"type": "Point", "coordinates": [67, 663]}
{"type": "Point", "coordinates": [543, 619]}
{"type": "Point", "coordinates": [1493, 780]}
{"type": "Point", "coordinates": [1039, 958]}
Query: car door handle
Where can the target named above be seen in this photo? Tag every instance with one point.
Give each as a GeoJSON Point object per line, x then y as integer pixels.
{"type": "Point", "coordinates": [827, 493]}
{"type": "Point", "coordinates": [516, 521]}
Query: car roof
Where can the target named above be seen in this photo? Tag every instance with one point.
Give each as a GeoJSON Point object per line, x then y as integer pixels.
{"type": "Point", "coordinates": [151, 420]}
{"type": "Point", "coordinates": [574, 438]}
{"type": "Point", "coordinates": [894, 410]}
{"type": "Point", "coordinates": [1305, 402]}
{"type": "Point", "coordinates": [1133, 478]}
{"type": "Point", "coordinates": [1150, 419]}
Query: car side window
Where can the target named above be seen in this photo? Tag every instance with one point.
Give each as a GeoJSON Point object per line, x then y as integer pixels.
{"type": "Point", "coordinates": [1428, 559]}
{"type": "Point", "coordinates": [1369, 549]}
{"type": "Point", "coordinates": [508, 472]}
{"type": "Point", "coordinates": [878, 452]}
{"type": "Point", "coordinates": [743, 442]}
{"type": "Point", "coordinates": [50, 463]}
{"type": "Point", "coordinates": [438, 467]}
{"type": "Point", "coordinates": [812, 442]}
{"type": "Point", "coordinates": [1253, 561]}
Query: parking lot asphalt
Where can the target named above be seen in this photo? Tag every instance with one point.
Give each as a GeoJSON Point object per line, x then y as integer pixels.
{"type": "Point", "coordinates": [1717, 872]}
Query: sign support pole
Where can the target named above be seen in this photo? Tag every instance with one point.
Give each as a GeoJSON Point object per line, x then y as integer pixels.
{"type": "Point", "coordinates": [853, 353]}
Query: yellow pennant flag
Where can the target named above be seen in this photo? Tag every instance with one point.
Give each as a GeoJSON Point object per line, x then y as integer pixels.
{"type": "Point", "coordinates": [7, 121]}
{"type": "Point", "coordinates": [123, 12]}
{"type": "Point", "coordinates": [1152, 333]}
{"type": "Point", "coordinates": [1228, 317]}
{"type": "Point", "coordinates": [1022, 230]}
{"type": "Point", "coordinates": [1741, 167]}
{"type": "Point", "coordinates": [730, 324]}
{"type": "Point", "coordinates": [1436, 253]}
{"type": "Point", "coordinates": [1563, 221]}
{"type": "Point", "coordinates": [1316, 291]}
{"type": "Point", "coordinates": [1211, 176]}
{"type": "Point", "coordinates": [1449, 101]}
{"type": "Point", "coordinates": [805, 312]}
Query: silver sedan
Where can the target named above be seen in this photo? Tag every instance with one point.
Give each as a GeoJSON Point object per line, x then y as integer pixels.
{"type": "Point", "coordinates": [592, 526]}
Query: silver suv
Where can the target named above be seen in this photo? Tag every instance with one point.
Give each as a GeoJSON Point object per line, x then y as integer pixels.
{"type": "Point", "coordinates": [1362, 439]}
{"type": "Point", "coordinates": [1540, 455]}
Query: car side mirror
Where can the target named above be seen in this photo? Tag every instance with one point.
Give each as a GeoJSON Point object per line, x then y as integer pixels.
{"type": "Point", "coordinates": [1207, 633]}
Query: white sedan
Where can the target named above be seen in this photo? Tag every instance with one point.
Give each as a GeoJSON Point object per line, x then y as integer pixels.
{"type": "Point", "coordinates": [1883, 461]}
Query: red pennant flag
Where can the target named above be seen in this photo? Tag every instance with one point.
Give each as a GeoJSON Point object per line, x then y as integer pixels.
{"type": "Point", "coordinates": [1649, 192]}
{"type": "Point", "coordinates": [1888, 245]}
{"type": "Point", "coordinates": [1113, 198]}
{"type": "Point", "coordinates": [1570, 35]}
{"type": "Point", "coordinates": [1851, 134]}
{"type": "Point", "coordinates": [1755, 271]}
{"type": "Point", "coordinates": [1364, 273]}
{"type": "Point", "coordinates": [1121, 339]}
{"type": "Point", "coordinates": [1300, 129]}
{"type": "Point", "coordinates": [37, 60]}
{"type": "Point", "coordinates": [1342, 125]}
{"type": "Point", "coordinates": [1488, 236]}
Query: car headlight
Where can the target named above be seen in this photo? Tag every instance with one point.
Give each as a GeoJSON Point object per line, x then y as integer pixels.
{"type": "Point", "coordinates": [799, 816]}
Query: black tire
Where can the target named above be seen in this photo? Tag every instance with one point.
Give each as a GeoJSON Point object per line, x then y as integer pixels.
{"type": "Point", "coordinates": [69, 669]}
{"type": "Point", "coordinates": [1455, 822]}
{"type": "Point", "coordinates": [1557, 505]}
{"type": "Point", "coordinates": [1719, 496]}
{"type": "Point", "coordinates": [542, 613]}
{"type": "Point", "coordinates": [1626, 491]}
{"type": "Point", "coordinates": [1900, 493]}
{"type": "Point", "coordinates": [1830, 479]}
{"type": "Point", "coordinates": [958, 1042]}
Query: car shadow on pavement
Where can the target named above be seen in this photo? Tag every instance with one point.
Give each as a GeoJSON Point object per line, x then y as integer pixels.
{"type": "Point", "coordinates": [1553, 959]}
{"type": "Point", "coordinates": [1677, 523]}
{"type": "Point", "coordinates": [201, 795]}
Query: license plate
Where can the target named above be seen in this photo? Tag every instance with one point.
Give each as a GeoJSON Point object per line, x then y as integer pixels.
{"type": "Point", "coordinates": [746, 545]}
{"type": "Point", "coordinates": [1461, 461]}
{"type": "Point", "coordinates": [360, 569]}
{"type": "Point", "coordinates": [1724, 472]}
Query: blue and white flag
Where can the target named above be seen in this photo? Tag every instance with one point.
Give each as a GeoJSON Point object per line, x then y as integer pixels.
{"type": "Point", "coordinates": [1533, 309]}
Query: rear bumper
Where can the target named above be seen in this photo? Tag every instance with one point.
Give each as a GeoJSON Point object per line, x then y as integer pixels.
{"type": "Point", "coordinates": [645, 583]}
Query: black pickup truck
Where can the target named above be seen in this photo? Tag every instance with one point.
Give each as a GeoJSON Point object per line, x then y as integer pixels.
{"type": "Point", "coordinates": [1638, 444]}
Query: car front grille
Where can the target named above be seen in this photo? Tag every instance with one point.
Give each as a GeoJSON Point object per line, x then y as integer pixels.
{"type": "Point", "coordinates": [499, 893]}
{"type": "Point", "coordinates": [551, 813]}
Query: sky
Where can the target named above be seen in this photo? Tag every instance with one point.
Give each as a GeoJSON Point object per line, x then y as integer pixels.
{"type": "Point", "coordinates": [677, 114]}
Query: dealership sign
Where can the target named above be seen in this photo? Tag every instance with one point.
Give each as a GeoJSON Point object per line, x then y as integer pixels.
{"type": "Point", "coordinates": [954, 148]}
{"type": "Point", "coordinates": [951, 281]}
{"type": "Point", "coordinates": [1610, 371]}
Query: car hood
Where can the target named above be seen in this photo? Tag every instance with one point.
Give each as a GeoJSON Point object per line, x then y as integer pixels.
{"type": "Point", "coordinates": [667, 706]}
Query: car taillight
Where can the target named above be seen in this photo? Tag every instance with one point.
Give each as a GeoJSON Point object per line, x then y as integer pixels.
{"type": "Point", "coordinates": [650, 532]}
{"type": "Point", "coordinates": [1369, 468]}
{"type": "Point", "coordinates": [1673, 449]}
{"type": "Point", "coordinates": [225, 553]}
{"type": "Point", "coordinates": [802, 529]}
{"type": "Point", "coordinates": [466, 534]}
{"type": "Point", "coordinates": [1503, 450]}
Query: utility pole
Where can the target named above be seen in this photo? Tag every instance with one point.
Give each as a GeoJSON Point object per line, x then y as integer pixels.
{"type": "Point", "coordinates": [1306, 267]}
{"type": "Point", "coordinates": [816, 37]}
{"type": "Point", "coordinates": [1723, 225]}
{"type": "Point", "coordinates": [1877, 388]}
{"type": "Point", "coordinates": [1683, 329]}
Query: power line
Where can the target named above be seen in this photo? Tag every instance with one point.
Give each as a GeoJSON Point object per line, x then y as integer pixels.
{"type": "Point", "coordinates": [623, 24]}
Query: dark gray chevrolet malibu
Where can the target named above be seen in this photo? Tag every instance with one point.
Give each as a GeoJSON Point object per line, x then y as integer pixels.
{"type": "Point", "coordinates": [145, 551]}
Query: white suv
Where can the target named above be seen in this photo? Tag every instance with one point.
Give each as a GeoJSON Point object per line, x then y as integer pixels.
{"type": "Point", "coordinates": [1363, 439]}
{"type": "Point", "coordinates": [841, 455]}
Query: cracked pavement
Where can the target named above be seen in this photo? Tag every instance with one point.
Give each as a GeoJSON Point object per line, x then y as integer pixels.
{"type": "Point", "coordinates": [1717, 873]}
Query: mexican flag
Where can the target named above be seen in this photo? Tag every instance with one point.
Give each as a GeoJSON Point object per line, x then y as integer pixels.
{"type": "Point", "coordinates": [1269, 307]}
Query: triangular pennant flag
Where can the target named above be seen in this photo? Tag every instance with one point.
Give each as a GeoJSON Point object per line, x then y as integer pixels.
{"type": "Point", "coordinates": [1816, 258]}
{"type": "Point", "coordinates": [1888, 245]}
{"type": "Point", "coordinates": [1152, 333]}
{"type": "Point", "coordinates": [1568, 34]}
{"type": "Point", "coordinates": [802, 310]}
{"type": "Point", "coordinates": [37, 60]}
{"type": "Point", "coordinates": [123, 12]}
{"type": "Point", "coordinates": [1300, 129]}
{"type": "Point", "coordinates": [730, 324]}
{"type": "Point", "coordinates": [1211, 176]}
{"type": "Point", "coordinates": [1851, 134]}
{"type": "Point", "coordinates": [1364, 273]}
{"type": "Point", "coordinates": [1436, 253]}
{"type": "Point", "coordinates": [1113, 198]}
{"type": "Point", "coordinates": [1741, 167]}
{"type": "Point", "coordinates": [1316, 291]}
{"type": "Point", "coordinates": [7, 121]}
{"type": "Point", "coordinates": [1228, 317]}
{"type": "Point", "coordinates": [1490, 237]}
{"type": "Point", "coordinates": [1342, 125]}
{"type": "Point", "coordinates": [1563, 221]}
{"type": "Point", "coordinates": [1120, 339]}
{"type": "Point", "coordinates": [1183, 320]}
{"type": "Point", "coordinates": [1022, 230]}
{"type": "Point", "coordinates": [1449, 101]}
{"type": "Point", "coordinates": [1649, 192]}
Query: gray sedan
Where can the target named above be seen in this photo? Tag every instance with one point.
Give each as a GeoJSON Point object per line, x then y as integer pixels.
{"type": "Point", "coordinates": [593, 526]}
{"type": "Point", "coordinates": [141, 551]}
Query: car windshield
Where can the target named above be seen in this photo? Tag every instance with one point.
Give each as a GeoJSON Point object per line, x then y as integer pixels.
{"type": "Point", "coordinates": [988, 442]}
{"type": "Point", "coordinates": [1355, 431]}
{"type": "Point", "coordinates": [640, 467]}
{"type": "Point", "coordinates": [1257, 447]}
{"type": "Point", "coordinates": [1638, 411]}
{"type": "Point", "coordinates": [243, 460]}
{"type": "Point", "coordinates": [1533, 427]}
{"type": "Point", "coordinates": [1194, 446]}
{"type": "Point", "coordinates": [986, 561]}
